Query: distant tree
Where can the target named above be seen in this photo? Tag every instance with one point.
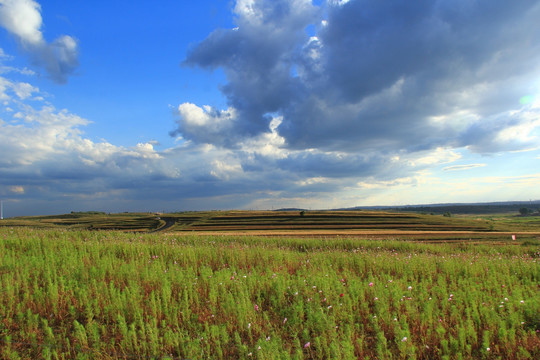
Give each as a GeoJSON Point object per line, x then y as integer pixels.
{"type": "Point", "coordinates": [524, 211]}
{"type": "Point", "coordinates": [447, 214]}
{"type": "Point", "coordinates": [302, 213]}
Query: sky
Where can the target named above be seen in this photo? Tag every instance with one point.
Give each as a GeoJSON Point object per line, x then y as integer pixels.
{"type": "Point", "coordinates": [263, 104]}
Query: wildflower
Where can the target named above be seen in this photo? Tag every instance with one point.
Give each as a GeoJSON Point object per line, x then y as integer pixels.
{"type": "Point", "coordinates": [284, 321]}
{"type": "Point", "coordinates": [268, 338]}
{"type": "Point", "coordinates": [404, 339]}
{"type": "Point", "coordinates": [250, 354]}
{"type": "Point", "coordinates": [308, 344]}
{"type": "Point", "coordinates": [259, 348]}
{"type": "Point", "coordinates": [488, 349]}
{"type": "Point", "coordinates": [232, 277]}
{"type": "Point", "coordinates": [341, 295]}
{"type": "Point", "coordinates": [249, 325]}
{"type": "Point", "coordinates": [409, 288]}
{"type": "Point", "coordinates": [256, 307]}
{"type": "Point", "coordinates": [329, 307]}
{"type": "Point", "coordinates": [523, 302]}
{"type": "Point", "coordinates": [370, 284]}
{"type": "Point", "coordinates": [376, 298]}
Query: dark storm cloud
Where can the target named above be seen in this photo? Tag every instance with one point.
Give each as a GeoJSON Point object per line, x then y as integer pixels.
{"type": "Point", "coordinates": [389, 67]}
{"type": "Point", "coordinates": [257, 57]}
{"type": "Point", "coordinates": [379, 76]}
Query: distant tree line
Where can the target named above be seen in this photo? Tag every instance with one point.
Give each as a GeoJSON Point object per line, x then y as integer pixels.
{"type": "Point", "coordinates": [527, 211]}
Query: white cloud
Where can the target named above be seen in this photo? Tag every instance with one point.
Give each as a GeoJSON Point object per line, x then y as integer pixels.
{"type": "Point", "coordinates": [375, 184]}
{"type": "Point", "coordinates": [435, 157]}
{"type": "Point", "coordinates": [22, 18]}
{"type": "Point", "coordinates": [313, 180]}
{"type": "Point", "coordinates": [3, 55]}
{"type": "Point", "coordinates": [24, 90]}
{"type": "Point", "coordinates": [463, 167]}
{"type": "Point", "coordinates": [225, 170]}
{"type": "Point", "coordinates": [205, 124]}
{"type": "Point", "coordinates": [205, 116]}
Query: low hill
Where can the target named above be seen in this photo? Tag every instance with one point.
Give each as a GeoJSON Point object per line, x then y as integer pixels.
{"type": "Point", "coordinates": [506, 207]}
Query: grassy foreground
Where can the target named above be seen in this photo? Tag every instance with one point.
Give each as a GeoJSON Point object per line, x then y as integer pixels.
{"type": "Point", "coordinates": [103, 295]}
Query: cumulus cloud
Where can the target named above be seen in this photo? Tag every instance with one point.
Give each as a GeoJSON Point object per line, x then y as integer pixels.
{"type": "Point", "coordinates": [365, 75]}
{"type": "Point", "coordinates": [22, 18]}
{"type": "Point", "coordinates": [257, 56]}
{"type": "Point", "coordinates": [50, 163]}
{"type": "Point", "coordinates": [206, 124]}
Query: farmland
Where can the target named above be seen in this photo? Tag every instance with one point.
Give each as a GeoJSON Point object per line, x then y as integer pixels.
{"type": "Point", "coordinates": [298, 223]}
{"type": "Point", "coordinates": [373, 285]}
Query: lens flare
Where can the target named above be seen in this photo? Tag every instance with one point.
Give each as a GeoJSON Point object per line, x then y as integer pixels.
{"type": "Point", "coordinates": [527, 99]}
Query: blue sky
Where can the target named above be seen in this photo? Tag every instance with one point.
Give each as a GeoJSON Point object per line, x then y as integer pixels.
{"type": "Point", "coordinates": [260, 104]}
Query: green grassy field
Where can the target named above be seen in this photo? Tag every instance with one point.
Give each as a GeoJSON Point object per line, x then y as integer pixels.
{"type": "Point", "coordinates": [78, 294]}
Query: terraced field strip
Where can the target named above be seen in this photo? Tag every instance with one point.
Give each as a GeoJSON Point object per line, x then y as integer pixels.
{"type": "Point", "coordinates": [331, 220]}
{"type": "Point", "coordinates": [90, 221]}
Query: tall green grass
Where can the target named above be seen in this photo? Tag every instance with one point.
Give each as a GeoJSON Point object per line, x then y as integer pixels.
{"type": "Point", "coordinates": [94, 295]}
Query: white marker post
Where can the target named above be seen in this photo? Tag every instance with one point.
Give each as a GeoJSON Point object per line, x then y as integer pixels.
{"type": "Point", "coordinates": [1, 210]}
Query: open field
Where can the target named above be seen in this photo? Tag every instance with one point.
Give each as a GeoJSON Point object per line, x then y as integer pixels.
{"type": "Point", "coordinates": [104, 295]}
{"type": "Point", "coordinates": [267, 285]}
